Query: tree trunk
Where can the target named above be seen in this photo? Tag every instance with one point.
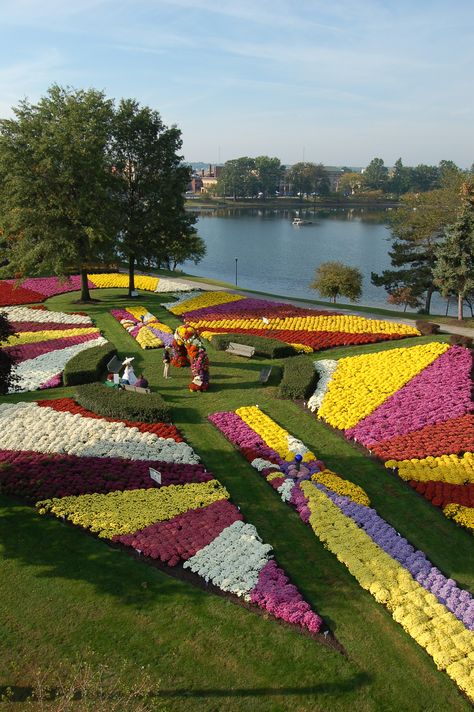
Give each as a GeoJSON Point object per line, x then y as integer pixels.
{"type": "Point", "coordinates": [131, 274]}
{"type": "Point", "coordinates": [460, 301]}
{"type": "Point", "coordinates": [85, 294]}
{"type": "Point", "coordinates": [429, 294]}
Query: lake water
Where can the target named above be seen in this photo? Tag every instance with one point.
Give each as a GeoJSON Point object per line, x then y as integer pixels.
{"type": "Point", "coordinates": [277, 257]}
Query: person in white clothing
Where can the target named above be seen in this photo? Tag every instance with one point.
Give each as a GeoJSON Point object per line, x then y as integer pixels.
{"type": "Point", "coordinates": [128, 377]}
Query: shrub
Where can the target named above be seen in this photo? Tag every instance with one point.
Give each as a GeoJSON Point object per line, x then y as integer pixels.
{"type": "Point", "coordinates": [460, 340]}
{"type": "Point", "coordinates": [89, 365]}
{"type": "Point", "coordinates": [299, 379]}
{"type": "Point", "coordinates": [126, 405]}
{"type": "Point", "coordinates": [427, 327]}
{"type": "Point", "coordinates": [269, 348]}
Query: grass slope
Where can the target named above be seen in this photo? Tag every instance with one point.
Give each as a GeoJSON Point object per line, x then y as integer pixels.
{"type": "Point", "coordinates": [65, 595]}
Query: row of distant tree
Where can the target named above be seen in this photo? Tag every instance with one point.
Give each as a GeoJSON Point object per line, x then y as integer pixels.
{"type": "Point", "coordinates": [401, 179]}
{"type": "Point", "coordinates": [263, 176]}
{"type": "Point", "coordinates": [85, 181]}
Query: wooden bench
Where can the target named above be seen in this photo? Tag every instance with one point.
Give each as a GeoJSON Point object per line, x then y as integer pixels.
{"type": "Point", "coordinates": [265, 374]}
{"type": "Point", "coordinates": [114, 365]}
{"type": "Point", "coordinates": [240, 349]}
{"type": "Point", "coordinates": [135, 389]}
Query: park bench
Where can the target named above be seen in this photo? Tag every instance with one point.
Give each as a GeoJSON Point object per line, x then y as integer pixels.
{"type": "Point", "coordinates": [265, 374]}
{"type": "Point", "coordinates": [135, 389]}
{"type": "Point", "coordinates": [114, 365]}
{"type": "Point", "coordinates": [240, 349]}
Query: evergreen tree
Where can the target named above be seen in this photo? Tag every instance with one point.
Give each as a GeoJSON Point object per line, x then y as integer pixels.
{"type": "Point", "coordinates": [417, 227]}
{"type": "Point", "coordinates": [454, 269]}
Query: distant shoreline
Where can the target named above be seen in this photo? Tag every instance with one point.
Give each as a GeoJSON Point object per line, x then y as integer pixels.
{"type": "Point", "coordinates": [289, 204]}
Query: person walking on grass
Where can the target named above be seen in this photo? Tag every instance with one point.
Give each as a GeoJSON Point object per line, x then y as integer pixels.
{"type": "Point", "coordinates": [166, 363]}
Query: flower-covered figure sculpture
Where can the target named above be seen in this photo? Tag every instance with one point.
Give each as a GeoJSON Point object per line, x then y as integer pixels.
{"type": "Point", "coordinates": [197, 355]}
{"type": "Point", "coordinates": [179, 355]}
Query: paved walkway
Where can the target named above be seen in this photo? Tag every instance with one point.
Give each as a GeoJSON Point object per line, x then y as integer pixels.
{"type": "Point", "coordinates": [445, 328]}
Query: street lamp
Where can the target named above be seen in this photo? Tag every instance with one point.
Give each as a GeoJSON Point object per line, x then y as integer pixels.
{"type": "Point", "coordinates": [236, 261]}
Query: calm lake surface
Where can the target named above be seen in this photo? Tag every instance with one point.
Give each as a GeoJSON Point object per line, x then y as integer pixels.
{"type": "Point", "coordinates": [275, 256]}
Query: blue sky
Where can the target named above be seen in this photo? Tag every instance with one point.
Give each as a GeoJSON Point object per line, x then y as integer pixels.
{"type": "Point", "coordinates": [334, 81]}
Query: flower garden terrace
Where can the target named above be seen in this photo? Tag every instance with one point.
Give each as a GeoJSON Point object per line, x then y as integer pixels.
{"type": "Point", "coordinates": [306, 330]}
{"type": "Point", "coordinates": [125, 609]}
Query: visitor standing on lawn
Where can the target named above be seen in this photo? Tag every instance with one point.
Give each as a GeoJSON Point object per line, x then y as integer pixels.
{"type": "Point", "coordinates": [166, 363]}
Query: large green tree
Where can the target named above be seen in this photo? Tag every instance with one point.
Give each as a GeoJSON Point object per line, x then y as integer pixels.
{"type": "Point", "coordinates": [151, 182]}
{"type": "Point", "coordinates": [424, 178]}
{"type": "Point", "coordinates": [308, 178]}
{"type": "Point", "coordinates": [376, 175]}
{"type": "Point", "coordinates": [400, 181]}
{"type": "Point", "coordinates": [454, 268]}
{"type": "Point", "coordinates": [239, 178]}
{"type": "Point", "coordinates": [417, 227]}
{"type": "Point", "coordinates": [333, 279]}
{"type": "Point", "coordinates": [56, 182]}
{"type": "Point", "coordinates": [269, 173]}
{"type": "Point", "coordinates": [350, 182]}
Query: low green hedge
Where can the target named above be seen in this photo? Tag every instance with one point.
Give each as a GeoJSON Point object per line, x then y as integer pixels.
{"type": "Point", "coordinates": [126, 405]}
{"type": "Point", "coordinates": [89, 365]}
{"type": "Point", "coordinates": [269, 348]}
{"type": "Point", "coordinates": [299, 379]}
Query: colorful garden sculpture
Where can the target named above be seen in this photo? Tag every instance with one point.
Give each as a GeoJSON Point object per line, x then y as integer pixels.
{"type": "Point", "coordinates": [187, 337]}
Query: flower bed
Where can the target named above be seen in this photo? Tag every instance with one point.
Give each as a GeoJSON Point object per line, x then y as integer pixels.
{"type": "Point", "coordinates": [36, 476]}
{"type": "Point", "coordinates": [43, 344]}
{"type": "Point", "coordinates": [69, 405]}
{"type": "Point", "coordinates": [37, 289]}
{"type": "Point", "coordinates": [432, 608]}
{"type": "Point", "coordinates": [27, 426]}
{"type": "Point", "coordinates": [306, 329]}
{"type": "Point", "coordinates": [145, 328]}
{"type": "Point", "coordinates": [95, 472]}
{"type": "Point", "coordinates": [413, 408]}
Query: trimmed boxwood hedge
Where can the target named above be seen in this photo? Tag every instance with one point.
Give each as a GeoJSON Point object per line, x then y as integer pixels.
{"type": "Point", "coordinates": [269, 348]}
{"type": "Point", "coordinates": [299, 379]}
{"type": "Point", "coordinates": [89, 365]}
{"type": "Point", "coordinates": [126, 405]}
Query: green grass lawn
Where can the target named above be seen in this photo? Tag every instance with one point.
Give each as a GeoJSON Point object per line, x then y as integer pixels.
{"type": "Point", "coordinates": [65, 596]}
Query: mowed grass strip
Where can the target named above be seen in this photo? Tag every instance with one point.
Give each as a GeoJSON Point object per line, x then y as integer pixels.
{"type": "Point", "coordinates": [65, 594]}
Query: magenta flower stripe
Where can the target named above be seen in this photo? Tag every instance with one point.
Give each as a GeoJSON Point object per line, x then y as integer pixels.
{"type": "Point", "coordinates": [445, 385]}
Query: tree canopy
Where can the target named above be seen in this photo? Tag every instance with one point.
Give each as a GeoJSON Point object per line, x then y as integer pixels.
{"type": "Point", "coordinates": [417, 227]}
{"type": "Point", "coordinates": [83, 183]}
{"type": "Point", "coordinates": [151, 182]}
{"type": "Point", "coordinates": [454, 268]}
{"type": "Point", "coordinates": [376, 175]}
{"type": "Point", "coordinates": [56, 182]}
{"type": "Point", "coordinates": [308, 178]}
{"type": "Point", "coordinates": [334, 279]}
